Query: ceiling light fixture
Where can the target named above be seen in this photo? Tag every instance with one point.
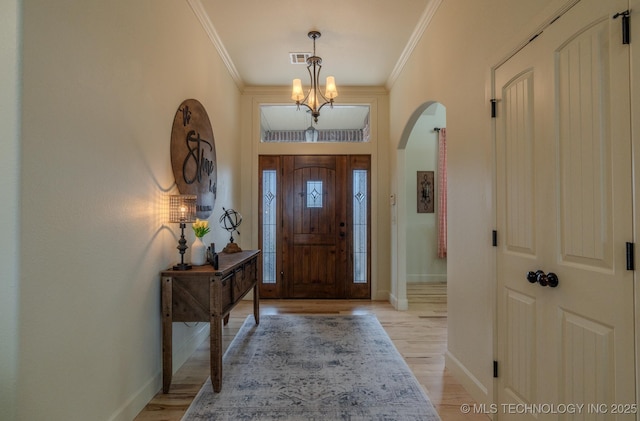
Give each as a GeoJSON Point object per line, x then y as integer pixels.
{"type": "Point", "coordinates": [313, 97]}
{"type": "Point", "coordinates": [311, 134]}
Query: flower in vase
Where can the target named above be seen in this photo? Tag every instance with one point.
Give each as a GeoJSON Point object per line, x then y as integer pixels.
{"type": "Point", "coordinates": [200, 227]}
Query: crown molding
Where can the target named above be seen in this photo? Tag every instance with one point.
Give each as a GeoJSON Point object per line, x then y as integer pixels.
{"type": "Point", "coordinates": [422, 25]}
{"type": "Point", "coordinates": [203, 17]}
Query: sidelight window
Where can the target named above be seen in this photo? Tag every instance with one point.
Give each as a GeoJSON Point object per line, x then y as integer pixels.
{"type": "Point", "coordinates": [269, 225]}
{"type": "Point", "coordinates": [360, 226]}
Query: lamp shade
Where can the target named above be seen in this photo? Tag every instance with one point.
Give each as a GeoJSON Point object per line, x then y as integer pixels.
{"type": "Point", "coordinates": [330, 88]}
{"type": "Point", "coordinates": [297, 94]}
{"type": "Point", "coordinates": [182, 208]}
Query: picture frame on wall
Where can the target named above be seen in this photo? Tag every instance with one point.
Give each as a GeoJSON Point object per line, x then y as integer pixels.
{"type": "Point", "coordinates": [425, 191]}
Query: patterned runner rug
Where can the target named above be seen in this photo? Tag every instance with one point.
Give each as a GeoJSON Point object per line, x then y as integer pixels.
{"type": "Point", "coordinates": [313, 368]}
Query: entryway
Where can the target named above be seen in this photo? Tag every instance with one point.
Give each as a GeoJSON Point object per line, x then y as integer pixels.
{"type": "Point", "coordinates": [419, 210]}
{"type": "Point", "coordinates": [314, 226]}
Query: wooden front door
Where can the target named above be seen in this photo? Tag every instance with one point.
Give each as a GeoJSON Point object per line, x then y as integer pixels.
{"type": "Point", "coordinates": [314, 228]}
{"type": "Point", "coordinates": [565, 207]}
{"type": "Point", "coordinates": [318, 239]}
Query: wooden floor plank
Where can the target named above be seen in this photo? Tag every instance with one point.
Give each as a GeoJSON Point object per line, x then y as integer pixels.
{"type": "Point", "coordinates": [419, 334]}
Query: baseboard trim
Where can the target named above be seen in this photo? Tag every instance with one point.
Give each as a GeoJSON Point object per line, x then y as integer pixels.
{"type": "Point", "coordinates": [132, 407]}
{"type": "Point", "coordinates": [142, 396]}
{"type": "Point", "coordinates": [472, 385]}
{"type": "Point", "coordinates": [398, 304]}
{"type": "Point", "coordinates": [424, 278]}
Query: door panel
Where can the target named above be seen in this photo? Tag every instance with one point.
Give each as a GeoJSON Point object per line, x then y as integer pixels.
{"type": "Point", "coordinates": [520, 215]}
{"type": "Point", "coordinates": [564, 205]}
{"type": "Point", "coordinates": [587, 362]}
{"type": "Point", "coordinates": [314, 186]}
{"type": "Point", "coordinates": [520, 383]}
{"type": "Point", "coordinates": [585, 148]}
{"type": "Point", "coordinates": [518, 165]}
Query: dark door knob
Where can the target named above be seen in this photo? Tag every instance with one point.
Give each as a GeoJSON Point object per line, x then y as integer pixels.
{"type": "Point", "coordinates": [552, 279]}
{"type": "Point", "coordinates": [544, 279]}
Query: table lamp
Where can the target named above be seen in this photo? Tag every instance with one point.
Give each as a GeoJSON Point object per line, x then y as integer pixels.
{"type": "Point", "coordinates": [182, 209]}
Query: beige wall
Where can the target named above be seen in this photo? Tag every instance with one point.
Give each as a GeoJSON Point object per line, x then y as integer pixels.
{"type": "Point", "coordinates": [102, 82]}
{"type": "Point", "coordinates": [9, 211]}
{"type": "Point", "coordinates": [452, 65]}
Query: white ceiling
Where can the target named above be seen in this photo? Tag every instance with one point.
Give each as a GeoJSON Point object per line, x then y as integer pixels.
{"type": "Point", "coordinates": [363, 42]}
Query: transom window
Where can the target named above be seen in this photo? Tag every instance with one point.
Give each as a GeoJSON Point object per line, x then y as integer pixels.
{"type": "Point", "coordinates": [288, 124]}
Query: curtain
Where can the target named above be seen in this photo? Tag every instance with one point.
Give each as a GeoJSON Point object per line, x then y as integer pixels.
{"type": "Point", "coordinates": [442, 196]}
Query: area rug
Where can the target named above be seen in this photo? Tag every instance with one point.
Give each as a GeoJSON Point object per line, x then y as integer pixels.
{"type": "Point", "coordinates": [313, 368]}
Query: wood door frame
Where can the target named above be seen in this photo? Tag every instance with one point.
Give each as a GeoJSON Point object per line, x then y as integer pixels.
{"type": "Point", "coordinates": [277, 289]}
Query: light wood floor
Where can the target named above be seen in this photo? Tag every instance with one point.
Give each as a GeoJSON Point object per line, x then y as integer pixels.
{"type": "Point", "coordinates": [419, 334]}
{"type": "Point", "coordinates": [427, 292]}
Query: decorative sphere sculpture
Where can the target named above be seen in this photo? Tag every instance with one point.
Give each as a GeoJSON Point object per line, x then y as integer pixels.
{"type": "Point", "coordinates": [230, 221]}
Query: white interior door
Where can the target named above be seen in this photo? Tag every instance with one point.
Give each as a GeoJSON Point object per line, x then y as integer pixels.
{"type": "Point", "coordinates": [564, 205]}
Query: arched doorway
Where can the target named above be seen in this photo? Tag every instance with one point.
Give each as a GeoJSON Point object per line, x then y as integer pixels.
{"type": "Point", "coordinates": [416, 230]}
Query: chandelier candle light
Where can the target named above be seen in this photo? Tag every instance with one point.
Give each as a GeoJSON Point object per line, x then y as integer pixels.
{"type": "Point", "coordinates": [313, 97]}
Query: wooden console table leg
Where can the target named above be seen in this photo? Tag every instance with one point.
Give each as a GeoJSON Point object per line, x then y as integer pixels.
{"type": "Point", "coordinates": [167, 333]}
{"type": "Point", "coordinates": [256, 304]}
{"type": "Point", "coordinates": [216, 353]}
{"type": "Point", "coordinates": [215, 333]}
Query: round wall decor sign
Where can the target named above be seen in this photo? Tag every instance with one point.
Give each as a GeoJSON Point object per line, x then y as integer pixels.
{"type": "Point", "coordinates": [193, 155]}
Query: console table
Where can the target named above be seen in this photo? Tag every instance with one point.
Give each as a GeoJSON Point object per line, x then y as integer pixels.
{"type": "Point", "coordinates": [205, 294]}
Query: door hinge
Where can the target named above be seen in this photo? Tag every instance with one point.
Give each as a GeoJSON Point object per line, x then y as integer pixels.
{"type": "Point", "coordinates": [495, 369]}
{"type": "Point", "coordinates": [625, 25]}
{"type": "Point", "coordinates": [493, 107]}
{"type": "Point", "coordinates": [631, 261]}
{"type": "Point", "coordinates": [494, 238]}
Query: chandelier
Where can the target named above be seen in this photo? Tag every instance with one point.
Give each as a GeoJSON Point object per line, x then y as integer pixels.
{"type": "Point", "coordinates": [314, 96]}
